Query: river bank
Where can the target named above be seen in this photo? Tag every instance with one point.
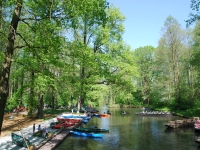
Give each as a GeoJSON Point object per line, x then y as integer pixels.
{"type": "Point", "coordinates": [6, 141]}
{"type": "Point", "coordinates": [22, 124]}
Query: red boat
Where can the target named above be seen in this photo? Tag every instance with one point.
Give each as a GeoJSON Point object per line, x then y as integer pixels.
{"type": "Point", "coordinates": [62, 120]}
{"type": "Point", "coordinates": [63, 125]}
{"type": "Point", "coordinates": [104, 115]}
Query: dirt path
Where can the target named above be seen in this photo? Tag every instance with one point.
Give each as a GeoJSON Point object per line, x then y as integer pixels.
{"type": "Point", "coordinates": [17, 123]}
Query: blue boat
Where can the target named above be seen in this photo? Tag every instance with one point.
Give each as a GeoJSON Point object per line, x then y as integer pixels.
{"type": "Point", "coordinates": [93, 135]}
{"type": "Point", "coordinates": [88, 117]}
{"type": "Point", "coordinates": [85, 120]}
{"type": "Point", "coordinates": [72, 116]}
{"type": "Point", "coordinates": [97, 115]}
{"type": "Point", "coordinates": [76, 117]}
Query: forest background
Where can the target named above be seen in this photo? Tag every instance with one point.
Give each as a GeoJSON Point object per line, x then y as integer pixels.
{"type": "Point", "coordinates": [59, 52]}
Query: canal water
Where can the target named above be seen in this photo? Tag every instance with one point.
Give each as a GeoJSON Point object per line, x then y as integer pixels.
{"type": "Point", "coordinates": [133, 132]}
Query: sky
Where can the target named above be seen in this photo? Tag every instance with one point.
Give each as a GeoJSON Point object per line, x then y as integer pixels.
{"type": "Point", "coordinates": [145, 18]}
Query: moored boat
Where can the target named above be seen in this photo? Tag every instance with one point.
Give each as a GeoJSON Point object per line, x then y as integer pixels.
{"type": "Point", "coordinates": [85, 120]}
{"type": "Point", "coordinates": [74, 120]}
{"type": "Point", "coordinates": [153, 113]}
{"type": "Point", "coordinates": [52, 124]}
{"type": "Point", "coordinates": [73, 115]}
{"type": "Point", "coordinates": [179, 123]}
{"type": "Point", "coordinates": [104, 115]}
{"type": "Point", "coordinates": [19, 140]}
{"type": "Point", "coordinates": [96, 115]}
{"type": "Point", "coordinates": [63, 125]}
{"type": "Point", "coordinates": [96, 130]}
{"type": "Point", "coordinates": [93, 135]}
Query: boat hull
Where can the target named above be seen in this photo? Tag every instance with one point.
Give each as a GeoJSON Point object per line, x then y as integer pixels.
{"type": "Point", "coordinates": [179, 123]}
{"type": "Point", "coordinates": [95, 130]}
{"type": "Point", "coordinates": [154, 113]}
{"type": "Point", "coordinates": [63, 125]}
{"type": "Point", "coordinates": [19, 140]}
{"type": "Point", "coordinates": [104, 115]}
{"type": "Point", "coordinates": [62, 120]}
{"type": "Point", "coordinates": [92, 135]}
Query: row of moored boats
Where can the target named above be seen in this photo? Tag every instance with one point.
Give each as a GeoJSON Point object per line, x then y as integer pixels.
{"type": "Point", "coordinates": [68, 121]}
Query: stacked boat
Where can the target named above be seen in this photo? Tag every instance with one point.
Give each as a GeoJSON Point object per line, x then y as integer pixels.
{"type": "Point", "coordinates": [66, 120]}
{"type": "Point", "coordinates": [69, 120]}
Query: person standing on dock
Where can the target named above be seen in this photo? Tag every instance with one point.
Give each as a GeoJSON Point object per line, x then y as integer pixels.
{"type": "Point", "coordinates": [44, 132]}
{"type": "Point", "coordinates": [33, 128]}
{"type": "Point", "coordinates": [39, 127]}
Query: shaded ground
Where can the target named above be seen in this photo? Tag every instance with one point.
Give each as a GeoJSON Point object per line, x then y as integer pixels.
{"type": "Point", "coordinates": [18, 122]}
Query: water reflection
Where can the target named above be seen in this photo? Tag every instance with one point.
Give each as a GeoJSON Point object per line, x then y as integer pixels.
{"type": "Point", "coordinates": [132, 132]}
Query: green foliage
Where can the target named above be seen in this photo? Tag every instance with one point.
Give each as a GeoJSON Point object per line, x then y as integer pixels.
{"type": "Point", "coordinates": [145, 60]}
{"type": "Point", "coordinates": [193, 16]}
{"type": "Point", "coordinates": [68, 49]}
{"type": "Point", "coordinates": [55, 111]}
{"type": "Point", "coordinates": [158, 103]}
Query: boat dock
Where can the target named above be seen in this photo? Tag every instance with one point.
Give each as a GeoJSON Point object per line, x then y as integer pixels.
{"type": "Point", "coordinates": [57, 138]}
{"type": "Point", "coordinates": [55, 141]}
{"type": "Point", "coordinates": [180, 123]}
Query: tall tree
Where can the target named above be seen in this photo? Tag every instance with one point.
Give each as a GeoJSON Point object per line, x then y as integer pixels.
{"type": "Point", "coordinates": [87, 16]}
{"type": "Point", "coordinates": [4, 82]}
{"type": "Point", "coordinates": [169, 59]}
{"type": "Point", "coordinates": [145, 59]}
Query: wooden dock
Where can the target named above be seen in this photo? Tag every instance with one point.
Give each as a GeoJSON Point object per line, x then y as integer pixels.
{"type": "Point", "coordinates": [180, 123]}
{"type": "Point", "coordinates": [55, 141]}
{"type": "Point", "coordinates": [57, 138]}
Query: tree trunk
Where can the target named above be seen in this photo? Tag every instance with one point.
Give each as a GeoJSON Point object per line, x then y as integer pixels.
{"type": "Point", "coordinates": [1, 13]}
{"type": "Point", "coordinates": [21, 92]}
{"type": "Point", "coordinates": [111, 95]}
{"type": "Point", "coordinates": [53, 100]}
{"type": "Point", "coordinates": [4, 81]}
{"type": "Point", "coordinates": [82, 68]}
{"type": "Point", "coordinates": [71, 99]}
{"type": "Point", "coordinates": [31, 98]}
{"type": "Point", "coordinates": [40, 106]}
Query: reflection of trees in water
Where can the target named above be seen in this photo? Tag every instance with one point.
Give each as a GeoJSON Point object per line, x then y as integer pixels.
{"type": "Point", "coordinates": [178, 130]}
